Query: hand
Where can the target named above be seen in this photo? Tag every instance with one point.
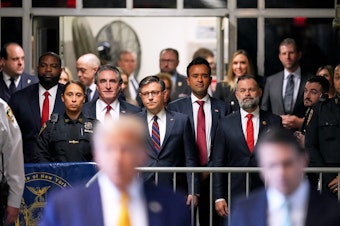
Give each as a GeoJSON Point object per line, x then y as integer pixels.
{"type": "Point", "coordinates": [192, 198]}
{"type": "Point", "coordinates": [301, 138]}
{"type": "Point", "coordinates": [11, 215]}
{"type": "Point", "coordinates": [333, 185]}
{"type": "Point", "coordinates": [222, 208]}
{"type": "Point", "coordinates": [291, 121]}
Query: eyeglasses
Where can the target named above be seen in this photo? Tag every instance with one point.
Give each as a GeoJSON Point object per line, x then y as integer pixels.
{"type": "Point", "coordinates": [153, 94]}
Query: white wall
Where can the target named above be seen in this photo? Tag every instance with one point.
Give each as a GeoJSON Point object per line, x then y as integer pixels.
{"type": "Point", "coordinates": [185, 34]}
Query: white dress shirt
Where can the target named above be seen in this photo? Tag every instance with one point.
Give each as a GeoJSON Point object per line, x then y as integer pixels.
{"type": "Point", "coordinates": [208, 117]}
{"type": "Point", "coordinates": [7, 80]}
{"type": "Point", "coordinates": [110, 197]}
{"type": "Point", "coordinates": [298, 201]}
{"type": "Point", "coordinates": [256, 122]}
{"type": "Point", "coordinates": [93, 88]}
{"type": "Point", "coordinates": [53, 95]}
{"type": "Point", "coordinates": [297, 80]}
{"type": "Point", "coordinates": [133, 86]}
{"type": "Point", "coordinates": [101, 110]}
{"type": "Point", "coordinates": [161, 123]}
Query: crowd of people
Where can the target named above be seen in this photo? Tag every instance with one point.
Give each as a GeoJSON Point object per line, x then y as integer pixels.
{"type": "Point", "coordinates": [282, 122]}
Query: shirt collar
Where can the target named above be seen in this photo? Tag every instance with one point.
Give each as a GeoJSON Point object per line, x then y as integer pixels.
{"type": "Point", "coordinates": [206, 99]}
{"type": "Point", "coordinates": [161, 116]}
{"type": "Point", "coordinates": [255, 113]}
{"type": "Point", "coordinates": [52, 91]}
{"type": "Point", "coordinates": [93, 87]}
{"type": "Point", "coordinates": [114, 105]}
{"type": "Point", "coordinates": [296, 73]}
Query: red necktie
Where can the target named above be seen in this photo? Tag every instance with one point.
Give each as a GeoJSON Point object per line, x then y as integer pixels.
{"type": "Point", "coordinates": [250, 132]}
{"type": "Point", "coordinates": [201, 139]}
{"type": "Point", "coordinates": [107, 113]}
{"type": "Point", "coordinates": [156, 140]}
{"type": "Point", "coordinates": [45, 109]}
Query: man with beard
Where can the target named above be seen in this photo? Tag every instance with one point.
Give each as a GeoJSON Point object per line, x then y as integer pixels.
{"type": "Point", "coordinates": [33, 105]}
{"type": "Point", "coordinates": [236, 139]}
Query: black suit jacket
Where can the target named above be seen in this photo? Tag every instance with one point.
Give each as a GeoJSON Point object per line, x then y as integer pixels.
{"type": "Point", "coordinates": [178, 148]}
{"type": "Point", "coordinates": [89, 109]}
{"type": "Point", "coordinates": [272, 96]}
{"type": "Point", "coordinates": [83, 206]}
{"type": "Point", "coordinates": [322, 210]}
{"type": "Point", "coordinates": [25, 81]}
{"type": "Point", "coordinates": [26, 109]}
{"type": "Point", "coordinates": [231, 150]}
{"type": "Point", "coordinates": [180, 88]}
{"type": "Point", "coordinates": [219, 109]}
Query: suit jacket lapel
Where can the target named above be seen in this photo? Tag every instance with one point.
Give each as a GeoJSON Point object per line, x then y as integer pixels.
{"type": "Point", "coordinates": [215, 113]}
{"type": "Point", "coordinates": [59, 106]}
{"type": "Point", "coordinates": [301, 90]}
{"type": "Point", "coordinates": [188, 111]}
{"type": "Point", "coordinates": [239, 130]}
{"type": "Point", "coordinates": [170, 121]}
{"type": "Point", "coordinates": [35, 109]}
{"type": "Point", "coordinates": [122, 107]}
{"type": "Point", "coordinates": [152, 151]}
{"type": "Point", "coordinates": [279, 93]}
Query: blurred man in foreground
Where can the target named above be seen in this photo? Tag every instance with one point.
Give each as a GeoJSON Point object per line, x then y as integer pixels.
{"type": "Point", "coordinates": [288, 199]}
{"type": "Point", "coordinates": [118, 197]}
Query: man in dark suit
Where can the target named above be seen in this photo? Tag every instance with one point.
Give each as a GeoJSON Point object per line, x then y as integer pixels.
{"type": "Point", "coordinates": [108, 80]}
{"type": "Point", "coordinates": [87, 65]}
{"type": "Point", "coordinates": [168, 62]}
{"type": "Point", "coordinates": [12, 76]}
{"type": "Point", "coordinates": [171, 141]}
{"type": "Point", "coordinates": [288, 198]}
{"type": "Point", "coordinates": [283, 92]}
{"type": "Point", "coordinates": [33, 105]}
{"type": "Point", "coordinates": [199, 79]}
{"type": "Point", "coordinates": [235, 140]}
{"type": "Point", "coordinates": [117, 197]}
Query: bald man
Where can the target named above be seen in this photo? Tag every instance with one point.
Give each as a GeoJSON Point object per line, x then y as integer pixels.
{"type": "Point", "coordinates": [87, 65]}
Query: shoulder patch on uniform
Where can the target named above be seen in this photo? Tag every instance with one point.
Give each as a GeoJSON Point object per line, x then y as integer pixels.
{"type": "Point", "coordinates": [42, 128]}
{"type": "Point", "coordinates": [10, 114]}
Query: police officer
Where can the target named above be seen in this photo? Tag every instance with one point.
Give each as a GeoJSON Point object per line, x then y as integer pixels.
{"type": "Point", "coordinates": [322, 136]}
{"type": "Point", "coordinates": [67, 138]}
{"type": "Point", "coordinates": [11, 164]}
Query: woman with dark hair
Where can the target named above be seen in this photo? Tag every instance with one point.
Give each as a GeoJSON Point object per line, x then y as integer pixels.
{"type": "Point", "coordinates": [327, 71]}
{"type": "Point", "coordinates": [67, 137]}
{"type": "Point", "coordinates": [239, 65]}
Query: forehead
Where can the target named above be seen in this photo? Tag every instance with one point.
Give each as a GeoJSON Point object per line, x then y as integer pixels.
{"type": "Point", "coordinates": [275, 152]}
{"type": "Point", "coordinates": [287, 47]}
{"type": "Point", "coordinates": [14, 50]}
{"type": "Point", "coordinates": [128, 56]}
{"type": "Point", "coordinates": [201, 68]}
{"type": "Point", "coordinates": [49, 58]}
{"type": "Point", "coordinates": [151, 86]}
{"type": "Point", "coordinates": [73, 88]}
{"type": "Point", "coordinates": [313, 85]}
{"type": "Point", "coordinates": [240, 57]}
{"type": "Point", "coordinates": [246, 83]}
{"type": "Point", "coordinates": [108, 74]}
{"type": "Point", "coordinates": [168, 54]}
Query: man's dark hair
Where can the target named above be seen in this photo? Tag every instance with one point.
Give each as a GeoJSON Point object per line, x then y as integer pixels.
{"type": "Point", "coordinates": [108, 67]}
{"type": "Point", "coordinates": [171, 50]}
{"type": "Point", "coordinates": [4, 53]}
{"type": "Point", "coordinates": [289, 41]}
{"type": "Point", "coordinates": [149, 79]}
{"type": "Point", "coordinates": [198, 61]}
{"type": "Point", "coordinates": [322, 81]}
{"type": "Point", "coordinates": [51, 54]}
{"type": "Point", "coordinates": [247, 76]}
{"type": "Point", "coordinates": [81, 85]}
{"type": "Point", "coordinates": [280, 136]}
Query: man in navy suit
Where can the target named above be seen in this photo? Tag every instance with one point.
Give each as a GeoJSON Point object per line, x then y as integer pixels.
{"type": "Point", "coordinates": [168, 62]}
{"type": "Point", "coordinates": [288, 198]}
{"type": "Point", "coordinates": [119, 147]}
{"type": "Point", "coordinates": [12, 76]}
{"type": "Point", "coordinates": [27, 104]}
{"type": "Point", "coordinates": [276, 88]}
{"type": "Point", "coordinates": [173, 144]}
{"type": "Point", "coordinates": [235, 140]}
{"type": "Point", "coordinates": [108, 80]}
{"type": "Point", "coordinates": [199, 79]}
{"type": "Point", "coordinates": [87, 65]}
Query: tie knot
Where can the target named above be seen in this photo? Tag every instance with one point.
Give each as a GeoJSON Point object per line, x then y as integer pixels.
{"type": "Point", "coordinates": [12, 79]}
{"type": "Point", "coordinates": [291, 76]}
{"type": "Point", "coordinates": [46, 94]}
{"type": "Point", "coordinates": [155, 118]}
{"type": "Point", "coordinates": [200, 102]}
{"type": "Point", "coordinates": [249, 116]}
{"type": "Point", "coordinates": [108, 107]}
{"type": "Point", "coordinates": [124, 197]}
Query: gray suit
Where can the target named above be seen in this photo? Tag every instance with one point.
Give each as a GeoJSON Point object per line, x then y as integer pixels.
{"type": "Point", "coordinates": [272, 96]}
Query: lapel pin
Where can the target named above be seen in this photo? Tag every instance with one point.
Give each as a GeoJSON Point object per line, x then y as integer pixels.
{"type": "Point", "coordinates": [172, 119]}
{"type": "Point", "coordinates": [216, 110]}
{"type": "Point", "coordinates": [29, 81]}
{"type": "Point", "coordinates": [179, 84]}
{"type": "Point", "coordinates": [264, 123]}
{"type": "Point", "coordinates": [124, 112]}
{"type": "Point", "coordinates": [155, 207]}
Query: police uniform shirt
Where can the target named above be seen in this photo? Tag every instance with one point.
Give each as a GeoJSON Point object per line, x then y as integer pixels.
{"type": "Point", "coordinates": [65, 140]}
{"type": "Point", "coordinates": [101, 110]}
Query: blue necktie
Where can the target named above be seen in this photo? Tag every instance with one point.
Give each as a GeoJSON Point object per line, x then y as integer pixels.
{"type": "Point", "coordinates": [289, 95]}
